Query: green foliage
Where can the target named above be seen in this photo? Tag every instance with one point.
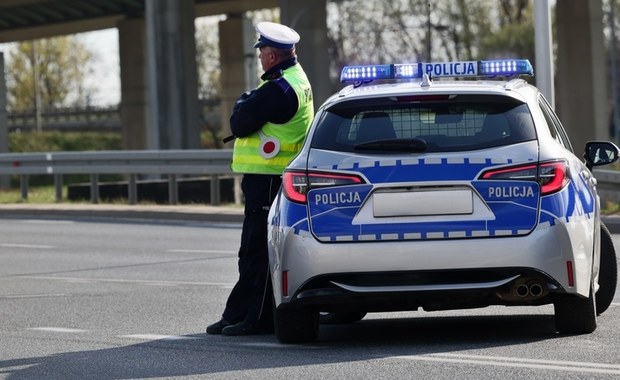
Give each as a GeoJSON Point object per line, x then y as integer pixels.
{"type": "Point", "coordinates": [56, 141]}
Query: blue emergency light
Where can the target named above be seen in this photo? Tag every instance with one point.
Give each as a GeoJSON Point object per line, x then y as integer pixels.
{"type": "Point", "coordinates": [506, 67]}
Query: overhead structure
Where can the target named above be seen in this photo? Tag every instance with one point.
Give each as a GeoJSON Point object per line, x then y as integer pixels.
{"type": "Point", "coordinates": [159, 108]}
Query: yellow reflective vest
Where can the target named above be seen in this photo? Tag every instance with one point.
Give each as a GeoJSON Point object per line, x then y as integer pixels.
{"type": "Point", "coordinates": [271, 149]}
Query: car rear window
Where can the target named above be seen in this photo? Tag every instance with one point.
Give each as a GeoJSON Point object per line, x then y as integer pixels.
{"type": "Point", "coordinates": [445, 123]}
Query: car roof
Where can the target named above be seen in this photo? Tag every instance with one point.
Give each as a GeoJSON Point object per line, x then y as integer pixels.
{"type": "Point", "coordinates": [516, 88]}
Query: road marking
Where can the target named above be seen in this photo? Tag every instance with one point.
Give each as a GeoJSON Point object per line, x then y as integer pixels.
{"type": "Point", "coordinates": [281, 345]}
{"type": "Point", "coordinates": [200, 251]}
{"type": "Point", "coordinates": [500, 361]}
{"type": "Point", "coordinates": [58, 329]}
{"type": "Point", "coordinates": [33, 246]}
{"type": "Point", "coordinates": [33, 296]}
{"type": "Point", "coordinates": [126, 281]}
{"type": "Point", "coordinates": [159, 337]}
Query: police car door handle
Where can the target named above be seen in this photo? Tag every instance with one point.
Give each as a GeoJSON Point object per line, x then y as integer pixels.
{"type": "Point", "coordinates": [589, 178]}
{"type": "Point", "coordinates": [593, 181]}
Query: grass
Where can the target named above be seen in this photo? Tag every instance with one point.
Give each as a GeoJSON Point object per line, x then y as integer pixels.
{"type": "Point", "coordinates": [36, 195]}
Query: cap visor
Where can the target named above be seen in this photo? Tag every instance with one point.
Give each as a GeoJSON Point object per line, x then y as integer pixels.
{"type": "Point", "coordinates": [259, 44]}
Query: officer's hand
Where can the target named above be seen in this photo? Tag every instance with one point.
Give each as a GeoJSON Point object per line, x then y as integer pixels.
{"type": "Point", "coordinates": [243, 97]}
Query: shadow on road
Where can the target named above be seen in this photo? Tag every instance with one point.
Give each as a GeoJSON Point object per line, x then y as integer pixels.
{"type": "Point", "coordinates": [200, 354]}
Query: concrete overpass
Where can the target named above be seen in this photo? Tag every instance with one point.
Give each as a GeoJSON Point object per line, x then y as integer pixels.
{"type": "Point", "coordinates": [159, 105]}
{"type": "Point", "coordinates": [158, 69]}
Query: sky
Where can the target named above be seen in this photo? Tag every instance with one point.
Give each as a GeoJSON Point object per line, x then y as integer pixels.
{"type": "Point", "coordinates": [106, 76]}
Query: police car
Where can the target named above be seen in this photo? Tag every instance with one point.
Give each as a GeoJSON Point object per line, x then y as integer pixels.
{"type": "Point", "coordinates": [414, 191]}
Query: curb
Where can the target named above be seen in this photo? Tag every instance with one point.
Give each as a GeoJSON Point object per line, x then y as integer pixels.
{"type": "Point", "coordinates": [198, 213]}
{"type": "Point", "coordinates": [186, 213]}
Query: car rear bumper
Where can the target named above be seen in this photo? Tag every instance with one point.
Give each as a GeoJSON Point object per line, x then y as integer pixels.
{"type": "Point", "coordinates": [432, 274]}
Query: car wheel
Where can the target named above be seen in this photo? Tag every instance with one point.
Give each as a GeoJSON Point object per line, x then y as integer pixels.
{"type": "Point", "coordinates": [338, 318]}
{"type": "Point", "coordinates": [608, 272]}
{"type": "Point", "coordinates": [296, 325]}
{"type": "Point", "coordinates": [576, 315]}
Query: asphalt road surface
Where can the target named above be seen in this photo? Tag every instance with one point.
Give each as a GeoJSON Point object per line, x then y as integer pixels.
{"type": "Point", "coordinates": [105, 300]}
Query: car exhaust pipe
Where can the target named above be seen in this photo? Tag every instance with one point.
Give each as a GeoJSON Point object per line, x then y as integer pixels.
{"type": "Point", "coordinates": [525, 289]}
{"type": "Point", "coordinates": [522, 290]}
{"type": "Point", "coordinates": [536, 290]}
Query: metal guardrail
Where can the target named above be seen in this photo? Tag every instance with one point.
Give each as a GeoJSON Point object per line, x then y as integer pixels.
{"type": "Point", "coordinates": [608, 184]}
{"type": "Point", "coordinates": [171, 163]}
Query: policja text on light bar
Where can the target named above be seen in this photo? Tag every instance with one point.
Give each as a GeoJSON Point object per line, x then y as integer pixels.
{"type": "Point", "coordinates": [493, 68]}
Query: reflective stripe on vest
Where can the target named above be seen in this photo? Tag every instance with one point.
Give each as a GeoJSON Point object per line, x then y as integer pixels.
{"type": "Point", "coordinates": [246, 152]}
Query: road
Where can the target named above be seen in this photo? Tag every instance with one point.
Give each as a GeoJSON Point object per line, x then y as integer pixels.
{"type": "Point", "coordinates": [106, 300]}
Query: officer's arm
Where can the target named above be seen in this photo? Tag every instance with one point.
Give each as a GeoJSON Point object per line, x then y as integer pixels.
{"type": "Point", "coordinates": [268, 103]}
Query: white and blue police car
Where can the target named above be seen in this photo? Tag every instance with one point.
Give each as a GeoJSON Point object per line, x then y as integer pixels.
{"type": "Point", "coordinates": [413, 191]}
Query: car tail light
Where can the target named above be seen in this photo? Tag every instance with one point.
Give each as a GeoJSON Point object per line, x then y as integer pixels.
{"type": "Point", "coordinates": [552, 176]}
{"type": "Point", "coordinates": [570, 273]}
{"type": "Point", "coordinates": [285, 283]}
{"type": "Point", "coordinates": [297, 184]}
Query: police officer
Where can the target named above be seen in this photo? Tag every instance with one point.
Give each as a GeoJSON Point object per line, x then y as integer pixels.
{"type": "Point", "coordinates": [269, 124]}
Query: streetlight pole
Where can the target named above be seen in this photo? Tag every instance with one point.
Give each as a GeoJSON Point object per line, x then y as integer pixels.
{"type": "Point", "coordinates": [614, 74]}
{"type": "Point", "coordinates": [428, 31]}
{"type": "Point", "coordinates": [36, 88]}
{"type": "Point", "coordinates": [544, 54]}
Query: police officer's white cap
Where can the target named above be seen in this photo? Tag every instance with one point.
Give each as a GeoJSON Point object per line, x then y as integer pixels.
{"type": "Point", "coordinates": [276, 35]}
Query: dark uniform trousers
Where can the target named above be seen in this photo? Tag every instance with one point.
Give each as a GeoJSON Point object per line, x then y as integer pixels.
{"type": "Point", "coordinates": [251, 298]}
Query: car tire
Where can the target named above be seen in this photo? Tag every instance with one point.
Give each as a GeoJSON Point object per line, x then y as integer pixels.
{"type": "Point", "coordinates": [341, 318]}
{"type": "Point", "coordinates": [608, 272]}
{"type": "Point", "coordinates": [296, 325]}
{"type": "Point", "coordinates": [576, 315]}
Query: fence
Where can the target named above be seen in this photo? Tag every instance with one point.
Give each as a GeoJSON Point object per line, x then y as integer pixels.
{"type": "Point", "coordinates": [170, 163]}
{"type": "Point", "coordinates": [214, 163]}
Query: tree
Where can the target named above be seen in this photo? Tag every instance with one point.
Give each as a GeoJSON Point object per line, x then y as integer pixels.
{"type": "Point", "coordinates": [515, 35]}
{"type": "Point", "coordinates": [362, 31]}
{"type": "Point", "coordinates": [208, 57]}
{"type": "Point", "coordinates": [47, 73]}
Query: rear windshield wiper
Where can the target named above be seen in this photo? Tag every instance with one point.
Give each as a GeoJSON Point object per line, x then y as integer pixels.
{"type": "Point", "coordinates": [409, 145]}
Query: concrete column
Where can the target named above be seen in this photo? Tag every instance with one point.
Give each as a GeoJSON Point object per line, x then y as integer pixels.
{"type": "Point", "coordinates": [309, 19]}
{"type": "Point", "coordinates": [134, 85]}
{"type": "Point", "coordinates": [237, 62]}
{"type": "Point", "coordinates": [581, 95]}
{"type": "Point", "coordinates": [544, 68]}
{"type": "Point", "coordinates": [173, 91]}
{"type": "Point", "coordinates": [4, 127]}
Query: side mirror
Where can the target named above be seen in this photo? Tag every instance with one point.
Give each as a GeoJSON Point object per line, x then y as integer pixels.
{"type": "Point", "coordinates": [599, 153]}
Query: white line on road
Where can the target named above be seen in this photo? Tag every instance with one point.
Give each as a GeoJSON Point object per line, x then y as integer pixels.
{"type": "Point", "coordinates": [200, 251]}
{"type": "Point", "coordinates": [500, 361]}
{"type": "Point", "coordinates": [127, 281]}
{"type": "Point", "coordinates": [32, 296]}
{"type": "Point", "coordinates": [33, 246]}
{"type": "Point", "coordinates": [159, 337]}
{"type": "Point", "coordinates": [58, 329]}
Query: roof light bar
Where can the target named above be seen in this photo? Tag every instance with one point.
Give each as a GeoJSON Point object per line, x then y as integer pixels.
{"type": "Point", "coordinates": [504, 67]}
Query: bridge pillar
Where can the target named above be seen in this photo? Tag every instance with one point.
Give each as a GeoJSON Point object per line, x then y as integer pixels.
{"type": "Point", "coordinates": [581, 95]}
{"type": "Point", "coordinates": [173, 93]}
{"type": "Point", "coordinates": [237, 62]}
{"type": "Point", "coordinates": [134, 84]}
{"type": "Point", "coordinates": [309, 19]}
{"type": "Point", "coordinates": [4, 127]}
